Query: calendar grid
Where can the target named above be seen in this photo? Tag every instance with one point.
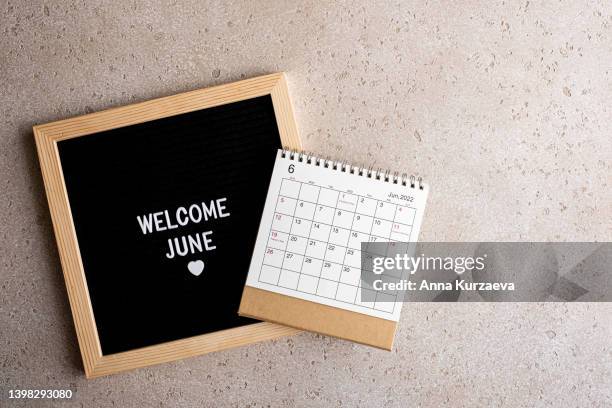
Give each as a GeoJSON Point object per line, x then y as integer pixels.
{"type": "Point", "coordinates": [308, 239]}
{"type": "Point", "coordinates": [345, 251]}
{"type": "Point", "coordinates": [295, 233]}
{"type": "Point", "coordinates": [283, 264]}
{"type": "Point", "coordinates": [269, 238]}
{"type": "Point", "coordinates": [327, 248]}
{"type": "Point", "coordinates": [360, 196]}
{"type": "Point", "coordinates": [323, 260]}
{"type": "Point", "coordinates": [386, 253]}
{"type": "Point", "coordinates": [370, 234]}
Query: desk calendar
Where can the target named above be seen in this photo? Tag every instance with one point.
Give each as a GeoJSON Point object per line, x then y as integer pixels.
{"type": "Point", "coordinates": [316, 216]}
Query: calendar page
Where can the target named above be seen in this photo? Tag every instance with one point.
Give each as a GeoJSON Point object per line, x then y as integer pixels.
{"type": "Point", "coordinates": [314, 222]}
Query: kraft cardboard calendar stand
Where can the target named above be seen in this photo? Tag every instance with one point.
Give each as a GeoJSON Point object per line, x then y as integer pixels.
{"type": "Point", "coordinates": [305, 315]}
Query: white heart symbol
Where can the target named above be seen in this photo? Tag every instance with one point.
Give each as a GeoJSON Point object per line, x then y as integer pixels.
{"type": "Point", "coordinates": [196, 267]}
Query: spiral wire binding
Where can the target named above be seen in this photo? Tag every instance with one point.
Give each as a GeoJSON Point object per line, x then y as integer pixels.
{"type": "Point", "coordinates": [369, 172]}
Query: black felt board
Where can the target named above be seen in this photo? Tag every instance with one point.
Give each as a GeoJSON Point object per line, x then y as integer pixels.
{"type": "Point", "coordinates": [139, 297]}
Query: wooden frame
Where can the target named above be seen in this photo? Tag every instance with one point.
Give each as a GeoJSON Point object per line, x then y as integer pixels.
{"type": "Point", "coordinates": [49, 134]}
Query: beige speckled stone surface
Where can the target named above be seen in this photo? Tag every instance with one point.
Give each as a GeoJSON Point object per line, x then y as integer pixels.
{"type": "Point", "coordinates": [504, 107]}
